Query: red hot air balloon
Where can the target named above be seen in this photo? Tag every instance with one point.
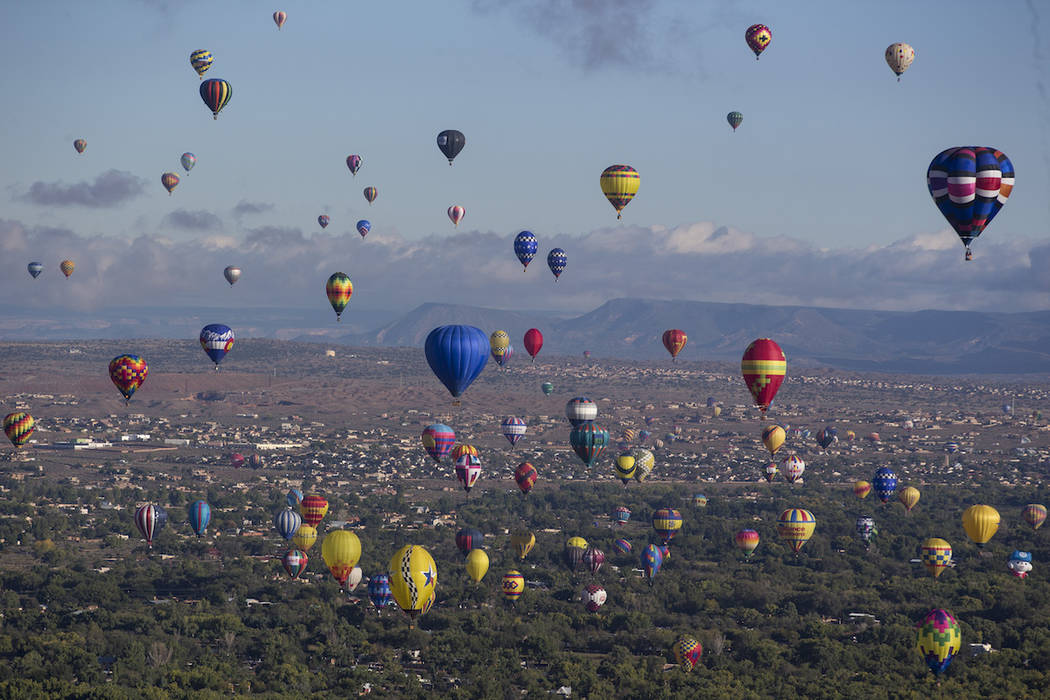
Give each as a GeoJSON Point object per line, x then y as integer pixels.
{"type": "Point", "coordinates": [674, 341]}
{"type": "Point", "coordinates": [525, 477]}
{"type": "Point", "coordinates": [764, 367]}
{"type": "Point", "coordinates": [533, 342]}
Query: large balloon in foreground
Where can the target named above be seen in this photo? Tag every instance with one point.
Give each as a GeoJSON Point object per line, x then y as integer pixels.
{"type": "Point", "coordinates": [217, 340]}
{"type": "Point", "coordinates": [938, 639]}
{"type": "Point", "coordinates": [619, 185]}
{"type": "Point", "coordinates": [735, 119]}
{"type": "Point", "coordinates": [1034, 514]}
{"type": "Point", "coordinates": [170, 182]}
{"type": "Point", "coordinates": [970, 184]}
{"type": "Point", "coordinates": [279, 19]}
{"type": "Point", "coordinates": [339, 289]}
{"type": "Point", "coordinates": [80, 145]}
{"type": "Point", "coordinates": [188, 160]}
{"type": "Point", "coordinates": [477, 564]}
{"type": "Point", "coordinates": [936, 555]}
{"type": "Point", "coordinates": [980, 523]}
{"type": "Point", "coordinates": [341, 551]}
{"type": "Point", "coordinates": [232, 274]}
{"type": "Point", "coordinates": [451, 142]}
{"type": "Point", "coordinates": [763, 367]}
{"type": "Point", "coordinates": [438, 439]}
{"type": "Point", "coordinates": [456, 355]}
{"type": "Point", "coordinates": [18, 427]}
{"type": "Point", "coordinates": [556, 261]}
{"type": "Point", "coordinates": [758, 37]}
{"type": "Point", "coordinates": [674, 340]}
{"type": "Point", "coordinates": [795, 526]}
{"type": "Point", "coordinates": [899, 56]}
{"type": "Point", "coordinates": [35, 269]}
{"type": "Point", "coordinates": [127, 372]}
{"type": "Point", "coordinates": [687, 652]}
{"type": "Point", "coordinates": [413, 580]}
{"type": "Point", "coordinates": [363, 227]}
{"type": "Point", "coordinates": [216, 94]}
{"type": "Point", "coordinates": [67, 267]}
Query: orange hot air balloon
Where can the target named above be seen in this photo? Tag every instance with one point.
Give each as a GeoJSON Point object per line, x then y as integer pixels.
{"type": "Point", "coordinates": [170, 182]}
{"type": "Point", "coordinates": [313, 508]}
{"type": "Point", "coordinates": [67, 267]}
{"type": "Point", "coordinates": [674, 341]}
{"type": "Point", "coordinates": [763, 367]}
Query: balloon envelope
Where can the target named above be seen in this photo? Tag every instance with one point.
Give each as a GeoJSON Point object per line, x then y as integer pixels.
{"type": "Point", "coordinates": [35, 269]}
{"type": "Point", "coordinates": [413, 579]}
{"type": "Point", "coordinates": [18, 427]}
{"type": "Point", "coordinates": [232, 274]}
{"type": "Point", "coordinates": [936, 555]}
{"type": "Point", "coordinates": [127, 372]}
{"type": "Point", "coordinates": [451, 142]}
{"type": "Point", "coordinates": [438, 439]}
{"type": "Point", "coordinates": [199, 515]}
{"type": "Point", "coordinates": [456, 355]}
{"type": "Point", "coordinates": [758, 37]}
{"type": "Point", "coordinates": [795, 526]}
{"type": "Point", "coordinates": [969, 185]}
{"type": "Point", "coordinates": [763, 368]}
{"type": "Point", "coordinates": [980, 523]}
{"type": "Point", "coordinates": [477, 564]}
{"type": "Point", "coordinates": [216, 94]}
{"type": "Point", "coordinates": [341, 551]}
{"type": "Point", "coordinates": [556, 261]}
{"type": "Point", "coordinates": [339, 289]}
{"type": "Point", "coordinates": [525, 247]}
{"type": "Point", "coordinates": [216, 340]}
{"type": "Point", "coordinates": [938, 639]}
{"type": "Point", "coordinates": [619, 184]}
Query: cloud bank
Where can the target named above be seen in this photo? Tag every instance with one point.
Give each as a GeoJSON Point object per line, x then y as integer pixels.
{"type": "Point", "coordinates": [110, 189]}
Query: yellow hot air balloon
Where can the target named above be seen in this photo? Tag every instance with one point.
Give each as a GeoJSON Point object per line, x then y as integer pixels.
{"type": "Point", "coordinates": [413, 580]}
{"type": "Point", "coordinates": [499, 341]}
{"type": "Point", "coordinates": [936, 555]}
{"type": "Point", "coordinates": [980, 523]}
{"type": "Point", "coordinates": [861, 489]}
{"type": "Point", "coordinates": [909, 497]}
{"type": "Point", "coordinates": [625, 467]}
{"type": "Point", "coordinates": [523, 541]}
{"type": "Point", "coordinates": [795, 526]}
{"type": "Point", "coordinates": [477, 564]}
{"type": "Point", "coordinates": [619, 185]}
{"type": "Point", "coordinates": [305, 537]}
{"type": "Point", "coordinates": [576, 542]}
{"type": "Point", "coordinates": [513, 585]}
{"type": "Point", "coordinates": [341, 551]}
{"type": "Point", "coordinates": [773, 437]}
{"type": "Point", "coordinates": [67, 267]}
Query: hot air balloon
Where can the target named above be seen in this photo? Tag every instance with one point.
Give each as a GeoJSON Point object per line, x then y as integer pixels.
{"type": "Point", "coordinates": [533, 342]}
{"type": "Point", "coordinates": [1034, 514]}
{"type": "Point", "coordinates": [522, 541]}
{"type": "Point", "coordinates": [525, 247]}
{"type": "Point", "coordinates": [593, 558]}
{"type": "Point", "coordinates": [625, 467]}
{"type": "Point", "coordinates": [1019, 563]}
{"type": "Point", "coordinates": [413, 579]}
{"type": "Point", "coordinates": [199, 514]}
{"type": "Point", "coordinates": [980, 523]}
{"type": "Point", "coordinates": [747, 541]}
{"type": "Point", "coordinates": [295, 561]}
{"type": "Point", "coordinates": [513, 585]}
{"type": "Point", "coordinates": [861, 489]}
{"type": "Point", "coordinates": [305, 537]}
{"type": "Point", "coordinates": [866, 529]}
{"type": "Point", "coordinates": [232, 274]}
{"type": "Point", "coordinates": [827, 436]}
{"type": "Point", "coordinates": [580, 410]}
{"type": "Point", "coordinates": [594, 597]}
{"type": "Point", "coordinates": [341, 551]}
{"type": "Point", "coordinates": [313, 508]}
{"type": "Point", "coordinates": [652, 560]}
{"type": "Point", "coordinates": [456, 214]}
{"type": "Point", "coordinates": [477, 564]}
{"type": "Point", "coordinates": [279, 18]}
{"type": "Point", "coordinates": [758, 37]}
{"type": "Point", "coordinates": [793, 467]}
{"type": "Point", "coordinates": [294, 498]}
{"type": "Point", "coordinates": [884, 484]}
{"type": "Point", "coordinates": [909, 497]}
{"type": "Point", "coordinates": [363, 227]}
{"type": "Point", "coordinates": [936, 555]}
{"type": "Point", "coordinates": [236, 460]}
{"type": "Point", "coordinates": [938, 639]}
{"type": "Point", "coordinates": [438, 440]}
{"type": "Point", "coordinates": [456, 355]}
{"type": "Point", "coordinates": [170, 182]}
{"type": "Point", "coordinates": [35, 269]}
{"type": "Point", "coordinates": [451, 142]}
{"type": "Point", "coordinates": [586, 354]}
{"type": "Point", "coordinates": [461, 449]}
{"type": "Point", "coordinates": [735, 119]}
{"type": "Point", "coordinates": [217, 340]}
{"type": "Point", "coordinates": [574, 550]}
{"type": "Point", "coordinates": [67, 267]}
{"type": "Point", "coordinates": [899, 56]}
{"type": "Point", "coordinates": [19, 426]}
{"type": "Point", "coordinates": [556, 261]}
{"type": "Point", "coordinates": [513, 429]}
{"type": "Point", "coordinates": [354, 163]}
{"type": "Point", "coordinates": [216, 94]}
{"type": "Point", "coordinates": [323, 220]}
{"type": "Point", "coordinates": [621, 514]}
{"type": "Point", "coordinates": [687, 652]}
{"type": "Point", "coordinates": [547, 388]}
{"type": "Point", "coordinates": [80, 145]}
{"type": "Point", "coordinates": [674, 341]}
{"type": "Point", "coordinates": [499, 341]}
{"type": "Point", "coordinates": [379, 591]}
{"type": "Point", "coordinates": [127, 373]}
{"type": "Point", "coordinates": [970, 184]}
{"type": "Point", "coordinates": [370, 194]}
{"type": "Point", "coordinates": [148, 522]}
{"type": "Point", "coordinates": [201, 61]}
{"type": "Point", "coordinates": [287, 523]}
{"type": "Point", "coordinates": [763, 367]}
{"type": "Point", "coordinates": [619, 185]}
{"type": "Point", "coordinates": [468, 469]}
{"type": "Point", "coordinates": [644, 461]}
{"type": "Point", "coordinates": [773, 437]}
{"type": "Point", "coordinates": [770, 471]}
{"type": "Point", "coordinates": [188, 160]}
{"type": "Point", "coordinates": [795, 526]}
{"type": "Point", "coordinates": [588, 441]}
{"type": "Point", "coordinates": [339, 289]}
{"type": "Point", "coordinates": [623, 546]}
{"type": "Point", "coordinates": [467, 539]}
{"type": "Point", "coordinates": [667, 522]}
{"type": "Point", "coordinates": [525, 477]}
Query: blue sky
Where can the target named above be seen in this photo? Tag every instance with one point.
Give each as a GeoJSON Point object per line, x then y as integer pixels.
{"type": "Point", "coordinates": [831, 156]}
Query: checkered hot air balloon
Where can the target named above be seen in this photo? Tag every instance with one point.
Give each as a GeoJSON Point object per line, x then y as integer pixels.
{"type": "Point", "coordinates": [525, 246]}
{"type": "Point", "coordinates": [127, 373]}
{"type": "Point", "coordinates": [936, 555]}
{"type": "Point", "coordinates": [884, 483]}
{"type": "Point", "coordinates": [556, 261]}
{"type": "Point", "coordinates": [594, 597]}
{"type": "Point", "coordinates": [687, 652]}
{"type": "Point", "coordinates": [938, 639]}
{"type": "Point", "coordinates": [866, 529]}
{"type": "Point", "coordinates": [18, 427]}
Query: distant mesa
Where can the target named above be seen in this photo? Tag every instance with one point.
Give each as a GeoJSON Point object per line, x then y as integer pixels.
{"type": "Point", "coordinates": [288, 403]}
{"type": "Point", "coordinates": [210, 396]}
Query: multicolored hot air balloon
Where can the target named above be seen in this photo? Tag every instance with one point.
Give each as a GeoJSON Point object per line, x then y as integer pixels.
{"type": "Point", "coordinates": [513, 585]}
{"type": "Point", "coordinates": [35, 269]}
{"type": "Point", "coordinates": [438, 440]}
{"type": "Point", "coordinates": [339, 289]}
{"type": "Point", "coordinates": [477, 564]}
{"type": "Point", "coordinates": [341, 550]}
{"type": "Point", "coordinates": [621, 514]}
{"type": "Point", "coordinates": [574, 549]}
{"type": "Point", "coordinates": [861, 489]}
{"type": "Point", "coordinates": [884, 483]}
{"type": "Point", "coordinates": [687, 652]}
{"type": "Point", "coordinates": [413, 580]}
{"type": "Point", "coordinates": [80, 145]}
{"type": "Point", "coordinates": [533, 342]}
{"type": "Point", "coordinates": [287, 522]}
{"type": "Point", "coordinates": [18, 427]}
{"type": "Point", "coordinates": [127, 373]}
{"type": "Point", "coordinates": [898, 57]}
{"type": "Point", "coordinates": [170, 182]}
{"type": "Point", "coordinates": [216, 94]}
{"type": "Point", "coordinates": [644, 461]}
{"type": "Point", "coordinates": [232, 274]}
{"type": "Point", "coordinates": [1034, 514]}
{"type": "Point", "coordinates": [379, 591]}
{"type": "Point", "coordinates": [363, 227]}
{"type": "Point", "coordinates": [758, 37]}
{"type": "Point", "coordinates": [827, 436]}
{"type": "Point", "coordinates": [456, 355]}
{"type": "Point", "coordinates": [793, 467]}
{"type": "Point", "coordinates": [293, 498]}
{"type": "Point", "coordinates": [936, 555]}
{"type": "Point", "coordinates": [866, 529]}
{"type": "Point", "coordinates": [522, 541]}
{"type": "Point", "coordinates": [980, 523]}
{"type": "Point", "coordinates": [313, 508]}
{"type": "Point", "coordinates": [1019, 563]}
{"type": "Point", "coordinates": [674, 341]}
{"type": "Point", "coordinates": [667, 522]}
{"type": "Point", "coordinates": [456, 214]}
{"type": "Point", "coordinates": [525, 247]}
{"type": "Point", "coordinates": [199, 514]}
{"type": "Point", "coordinates": [620, 185]}
{"type": "Point", "coordinates": [294, 562]}
{"type": "Point", "coordinates": [763, 367]}
{"type": "Point", "coordinates": [216, 340]}
{"type": "Point", "coordinates": [451, 142]}
{"type": "Point", "coordinates": [735, 119]}
{"type": "Point", "coordinates": [67, 267]}
{"type": "Point", "coordinates": [525, 477]}
{"type": "Point", "coordinates": [588, 441]}
{"type": "Point", "coordinates": [623, 546]}
{"type": "Point", "coordinates": [370, 194]}
{"type": "Point", "coordinates": [279, 19]}
{"type": "Point", "coordinates": [188, 160]}
{"type": "Point", "coordinates": [773, 437]}
{"type": "Point", "coordinates": [594, 597]}
{"type": "Point", "coordinates": [770, 471]}
{"type": "Point", "coordinates": [469, 538]}
{"type": "Point", "coordinates": [593, 558]}
{"type": "Point", "coordinates": [747, 541]}
{"type": "Point", "coordinates": [201, 60]}
{"type": "Point", "coordinates": [970, 184]}
{"type": "Point", "coordinates": [354, 163]}
{"type": "Point", "coordinates": [305, 537]}
{"type": "Point", "coordinates": [580, 410]}
{"type": "Point", "coordinates": [468, 469]}
{"type": "Point", "coordinates": [938, 639]}
{"type": "Point", "coordinates": [323, 220]}
{"type": "Point", "coordinates": [652, 560]}
{"type": "Point", "coordinates": [795, 526]}
{"type": "Point", "coordinates": [909, 497]}
{"type": "Point", "coordinates": [147, 520]}
{"type": "Point", "coordinates": [556, 261]}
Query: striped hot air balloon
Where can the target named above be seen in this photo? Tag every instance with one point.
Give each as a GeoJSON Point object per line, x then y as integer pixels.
{"type": "Point", "coordinates": [619, 185]}
{"type": "Point", "coordinates": [1034, 514]}
{"type": "Point", "coordinates": [199, 513]}
{"type": "Point", "coordinates": [936, 555]}
{"type": "Point", "coordinates": [795, 526]}
{"type": "Point", "coordinates": [513, 585]}
{"type": "Point", "coordinates": [667, 522]}
{"type": "Point", "coordinates": [148, 523]}
{"type": "Point", "coordinates": [216, 94]}
{"type": "Point", "coordinates": [513, 429]}
{"type": "Point", "coordinates": [525, 477]}
{"type": "Point", "coordinates": [295, 561]}
{"type": "Point", "coordinates": [339, 289]}
{"type": "Point", "coordinates": [763, 367]}
{"type": "Point", "coordinates": [18, 427]}
{"type": "Point", "coordinates": [201, 60]}
{"type": "Point", "coordinates": [438, 440]}
{"type": "Point", "coordinates": [747, 541]}
{"type": "Point", "coordinates": [313, 509]}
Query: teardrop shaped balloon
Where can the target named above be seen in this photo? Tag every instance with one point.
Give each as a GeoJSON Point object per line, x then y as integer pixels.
{"type": "Point", "coordinates": [294, 562]}
{"type": "Point", "coordinates": [674, 340]}
{"type": "Point", "coordinates": [216, 94]}
{"type": "Point", "coordinates": [199, 514]}
{"type": "Point", "coordinates": [514, 429]}
{"type": "Point", "coordinates": [216, 340]}
{"type": "Point", "coordinates": [620, 185]}
{"type": "Point", "coordinates": [313, 508]}
{"type": "Point", "coordinates": [413, 580]}
{"type": "Point", "coordinates": [370, 194]}
{"type": "Point", "coordinates": [35, 269]}
{"type": "Point", "coordinates": [795, 526]}
{"type": "Point", "coordinates": [936, 555]}
{"type": "Point", "coordinates": [758, 37]}
{"type": "Point", "coordinates": [354, 163]}
{"type": "Point", "coordinates": [556, 261]}
{"type": "Point", "coordinates": [18, 427]}
{"type": "Point", "coordinates": [363, 227]}
{"type": "Point", "coordinates": [451, 142]}
{"type": "Point", "coordinates": [188, 160]}
{"type": "Point", "coordinates": [456, 355]}
{"type": "Point", "coordinates": [438, 440]}
{"type": "Point", "coordinates": [323, 220]}
{"type": "Point", "coordinates": [379, 591]}
{"type": "Point", "coordinates": [969, 185]}
{"type": "Point", "coordinates": [477, 564]}
{"type": "Point", "coordinates": [525, 246]}
{"type": "Point", "coordinates": [201, 60]}
{"type": "Point", "coordinates": [525, 477]}
{"type": "Point", "coordinates": [938, 639]}
{"type": "Point", "coordinates": [341, 550]}
{"type": "Point", "coordinates": [67, 267]}
{"type": "Point", "coordinates": [747, 541]}
{"type": "Point", "coordinates": [456, 214]}
{"type": "Point", "coordinates": [687, 652]}
{"type": "Point", "coordinates": [127, 373]}
{"type": "Point", "coordinates": [80, 145]}
{"type": "Point", "coordinates": [588, 441]}
{"type": "Point", "coordinates": [763, 367]}
{"type": "Point", "coordinates": [339, 289]}
{"type": "Point", "coordinates": [533, 341]}
{"type": "Point", "coordinates": [980, 523]}
{"type": "Point", "coordinates": [735, 119]}
{"type": "Point", "coordinates": [279, 19]}
{"type": "Point", "coordinates": [170, 182]}
{"type": "Point", "coordinates": [899, 56]}
{"type": "Point", "coordinates": [232, 274]}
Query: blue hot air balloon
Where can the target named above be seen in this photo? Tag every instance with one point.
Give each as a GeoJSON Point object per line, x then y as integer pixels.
{"type": "Point", "coordinates": [652, 560]}
{"type": "Point", "coordinates": [379, 591]}
{"type": "Point", "coordinates": [35, 269]}
{"type": "Point", "coordinates": [588, 441]}
{"type": "Point", "coordinates": [556, 260]}
{"type": "Point", "coordinates": [525, 247]}
{"type": "Point", "coordinates": [884, 484]}
{"type": "Point", "coordinates": [363, 227]}
{"type": "Point", "coordinates": [294, 498]}
{"type": "Point", "coordinates": [216, 339]}
{"type": "Point", "coordinates": [200, 516]}
{"type": "Point", "coordinates": [457, 354]}
{"type": "Point", "coordinates": [287, 523]}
